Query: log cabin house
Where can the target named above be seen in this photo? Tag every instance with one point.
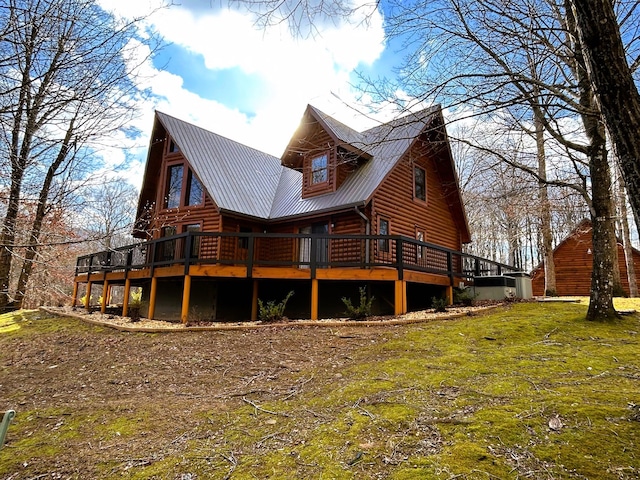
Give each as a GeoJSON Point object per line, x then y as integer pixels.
{"type": "Point", "coordinates": [574, 264]}
{"type": "Point", "coordinates": [223, 225]}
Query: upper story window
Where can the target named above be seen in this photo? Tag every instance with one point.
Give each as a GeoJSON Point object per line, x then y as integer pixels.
{"type": "Point", "coordinates": [195, 191]}
{"type": "Point", "coordinates": [419, 183]}
{"type": "Point", "coordinates": [178, 192]}
{"type": "Point", "coordinates": [174, 186]}
{"type": "Point", "coordinates": [320, 169]}
{"type": "Point", "coordinates": [173, 148]}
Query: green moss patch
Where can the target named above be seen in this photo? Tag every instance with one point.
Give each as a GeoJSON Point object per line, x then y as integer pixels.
{"type": "Point", "coordinates": [528, 391]}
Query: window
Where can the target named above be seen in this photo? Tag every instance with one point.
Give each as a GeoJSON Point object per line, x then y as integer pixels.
{"type": "Point", "coordinates": [383, 229]}
{"type": "Point", "coordinates": [194, 190]}
{"type": "Point", "coordinates": [195, 240]}
{"type": "Point", "coordinates": [243, 242]}
{"type": "Point", "coordinates": [174, 186]}
{"type": "Point", "coordinates": [320, 169]}
{"type": "Point", "coordinates": [173, 148]}
{"type": "Point", "coordinates": [167, 247]}
{"type": "Point", "coordinates": [419, 248]}
{"type": "Point", "coordinates": [419, 184]}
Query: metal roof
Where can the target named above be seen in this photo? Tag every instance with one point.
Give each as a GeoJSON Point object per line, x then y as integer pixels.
{"type": "Point", "coordinates": [250, 182]}
{"type": "Point", "coordinates": [238, 178]}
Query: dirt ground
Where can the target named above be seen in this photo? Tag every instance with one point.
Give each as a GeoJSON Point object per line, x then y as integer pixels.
{"type": "Point", "coordinates": [71, 373]}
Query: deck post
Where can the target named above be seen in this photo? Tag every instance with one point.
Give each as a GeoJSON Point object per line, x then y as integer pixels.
{"type": "Point", "coordinates": [254, 302]}
{"type": "Point", "coordinates": [449, 295]}
{"type": "Point", "coordinates": [125, 299]}
{"type": "Point", "coordinates": [105, 294]}
{"type": "Point", "coordinates": [87, 298]}
{"type": "Point", "coordinates": [74, 297]}
{"type": "Point", "coordinates": [152, 298]}
{"type": "Point", "coordinates": [314, 299]}
{"type": "Point", "coordinates": [400, 303]}
{"type": "Point", "coordinates": [186, 294]}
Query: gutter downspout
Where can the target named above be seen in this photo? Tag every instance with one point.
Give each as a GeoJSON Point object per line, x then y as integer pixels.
{"type": "Point", "coordinates": [367, 231]}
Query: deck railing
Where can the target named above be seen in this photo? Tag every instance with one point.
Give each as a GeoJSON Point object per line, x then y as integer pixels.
{"type": "Point", "coordinates": [305, 251]}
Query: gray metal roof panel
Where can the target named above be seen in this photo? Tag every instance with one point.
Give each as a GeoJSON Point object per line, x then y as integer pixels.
{"type": "Point", "coordinates": [385, 143]}
{"type": "Point", "coordinates": [341, 131]}
{"type": "Point", "coordinates": [238, 178]}
{"type": "Point", "coordinates": [248, 181]}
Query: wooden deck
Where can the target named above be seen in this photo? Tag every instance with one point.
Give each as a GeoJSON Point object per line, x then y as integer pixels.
{"type": "Point", "coordinates": [396, 259]}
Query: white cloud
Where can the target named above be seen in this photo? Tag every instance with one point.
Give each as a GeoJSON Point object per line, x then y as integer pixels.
{"type": "Point", "coordinates": [292, 71]}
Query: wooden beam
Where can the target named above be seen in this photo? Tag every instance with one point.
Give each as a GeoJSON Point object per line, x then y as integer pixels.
{"type": "Point", "coordinates": [186, 295]}
{"type": "Point", "coordinates": [254, 302]}
{"type": "Point", "coordinates": [400, 303]}
{"type": "Point", "coordinates": [146, 273]}
{"type": "Point", "coordinates": [74, 297]}
{"type": "Point", "coordinates": [172, 271]}
{"type": "Point", "coordinates": [105, 294]}
{"type": "Point", "coordinates": [152, 297]}
{"type": "Point", "coordinates": [427, 278]}
{"type": "Point", "coordinates": [450, 295]}
{"type": "Point", "coordinates": [281, 272]}
{"type": "Point", "coordinates": [231, 271]}
{"type": "Point", "coordinates": [125, 300]}
{"type": "Point", "coordinates": [87, 299]}
{"type": "Point", "coordinates": [314, 299]}
{"type": "Point", "coordinates": [357, 274]}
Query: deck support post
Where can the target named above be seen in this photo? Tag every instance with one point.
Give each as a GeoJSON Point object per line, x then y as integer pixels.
{"type": "Point", "coordinates": [400, 302]}
{"type": "Point", "coordinates": [74, 297]}
{"type": "Point", "coordinates": [125, 298]}
{"type": "Point", "coordinates": [449, 295]}
{"type": "Point", "coordinates": [105, 295]}
{"type": "Point", "coordinates": [87, 298]}
{"type": "Point", "coordinates": [186, 294]}
{"type": "Point", "coordinates": [314, 299]}
{"type": "Point", "coordinates": [152, 298]}
{"type": "Point", "coordinates": [254, 302]}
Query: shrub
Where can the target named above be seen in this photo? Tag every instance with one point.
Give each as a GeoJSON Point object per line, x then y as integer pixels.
{"type": "Point", "coordinates": [272, 311]}
{"type": "Point", "coordinates": [464, 296]}
{"type": "Point", "coordinates": [439, 304]}
{"type": "Point", "coordinates": [361, 311]}
{"type": "Point", "coordinates": [135, 305]}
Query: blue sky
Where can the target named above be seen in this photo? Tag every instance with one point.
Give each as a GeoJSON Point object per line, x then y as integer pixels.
{"type": "Point", "coordinates": [221, 72]}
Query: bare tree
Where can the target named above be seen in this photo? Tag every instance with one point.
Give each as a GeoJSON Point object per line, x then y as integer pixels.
{"type": "Point", "coordinates": [626, 237]}
{"type": "Point", "coordinates": [519, 61]}
{"type": "Point", "coordinates": [65, 81]}
{"type": "Point", "coordinates": [110, 210]}
{"type": "Point", "coordinates": [612, 79]}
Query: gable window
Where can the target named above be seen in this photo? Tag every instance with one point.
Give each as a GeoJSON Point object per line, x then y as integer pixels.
{"type": "Point", "coordinates": [174, 186]}
{"type": "Point", "coordinates": [173, 148]}
{"type": "Point", "coordinates": [419, 183]}
{"type": "Point", "coordinates": [320, 169]}
{"type": "Point", "coordinates": [383, 229]}
{"type": "Point", "coordinates": [194, 190]}
{"type": "Point", "coordinates": [179, 192]}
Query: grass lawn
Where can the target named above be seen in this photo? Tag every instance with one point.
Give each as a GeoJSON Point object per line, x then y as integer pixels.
{"type": "Point", "coordinates": [529, 390]}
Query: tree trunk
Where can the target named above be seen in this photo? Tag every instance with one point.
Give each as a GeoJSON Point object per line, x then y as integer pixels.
{"type": "Point", "coordinates": [545, 208]}
{"type": "Point", "coordinates": [604, 242]}
{"type": "Point", "coordinates": [626, 239]}
{"type": "Point", "coordinates": [614, 86]}
{"type": "Point", "coordinates": [605, 278]}
{"type": "Point", "coordinates": [36, 226]}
